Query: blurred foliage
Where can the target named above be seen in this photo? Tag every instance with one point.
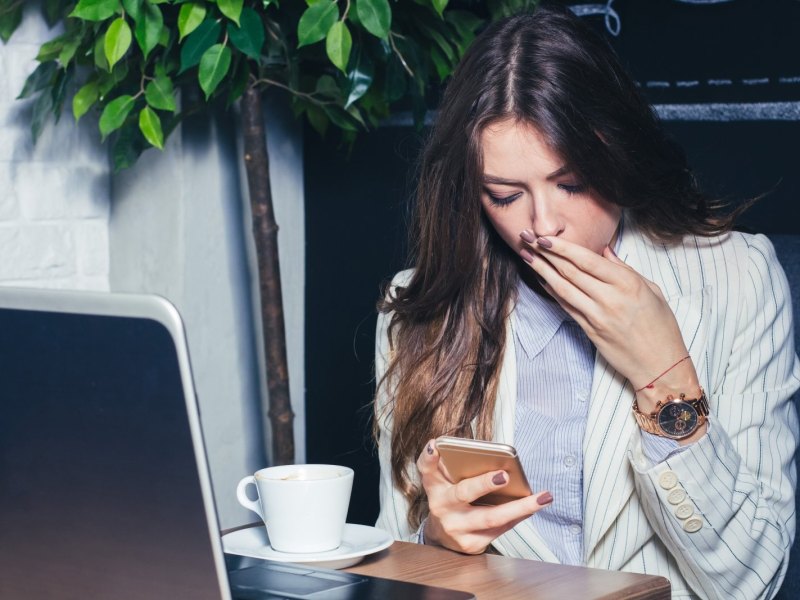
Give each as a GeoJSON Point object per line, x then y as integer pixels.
{"type": "Point", "coordinates": [345, 63]}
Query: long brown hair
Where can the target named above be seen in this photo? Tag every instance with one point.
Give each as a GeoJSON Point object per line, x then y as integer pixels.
{"type": "Point", "coordinates": [447, 329]}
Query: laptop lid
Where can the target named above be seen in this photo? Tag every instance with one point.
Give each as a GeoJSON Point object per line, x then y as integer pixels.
{"type": "Point", "coordinates": [104, 484]}
{"type": "Point", "coordinates": [101, 454]}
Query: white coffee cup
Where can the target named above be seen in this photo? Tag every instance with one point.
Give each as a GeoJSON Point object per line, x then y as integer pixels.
{"type": "Point", "coordinates": [304, 507]}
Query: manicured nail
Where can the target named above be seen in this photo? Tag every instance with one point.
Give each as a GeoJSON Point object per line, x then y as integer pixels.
{"type": "Point", "coordinates": [499, 479]}
{"type": "Point", "coordinates": [429, 449]}
{"type": "Point", "coordinates": [544, 499]}
{"type": "Point", "coordinates": [544, 242]}
{"type": "Point", "coordinates": [526, 256]}
{"type": "Point", "coordinates": [528, 236]}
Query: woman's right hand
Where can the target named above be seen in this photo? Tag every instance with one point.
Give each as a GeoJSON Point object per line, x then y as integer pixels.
{"type": "Point", "coordinates": [453, 522]}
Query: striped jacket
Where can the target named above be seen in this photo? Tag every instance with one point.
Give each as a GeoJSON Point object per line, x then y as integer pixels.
{"type": "Point", "coordinates": [731, 300]}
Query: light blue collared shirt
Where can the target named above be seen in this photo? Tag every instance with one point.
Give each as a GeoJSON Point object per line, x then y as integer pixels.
{"type": "Point", "coordinates": [555, 362]}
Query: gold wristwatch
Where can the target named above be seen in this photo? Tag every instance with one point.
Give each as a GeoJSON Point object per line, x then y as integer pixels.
{"type": "Point", "coordinates": [674, 418]}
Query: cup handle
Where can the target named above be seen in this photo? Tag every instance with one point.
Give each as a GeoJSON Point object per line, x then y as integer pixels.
{"type": "Point", "coordinates": [241, 495]}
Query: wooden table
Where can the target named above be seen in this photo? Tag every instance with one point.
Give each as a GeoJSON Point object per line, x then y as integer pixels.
{"type": "Point", "coordinates": [494, 577]}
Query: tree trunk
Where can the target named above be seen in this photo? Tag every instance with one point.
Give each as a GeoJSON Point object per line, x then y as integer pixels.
{"type": "Point", "coordinates": [265, 231]}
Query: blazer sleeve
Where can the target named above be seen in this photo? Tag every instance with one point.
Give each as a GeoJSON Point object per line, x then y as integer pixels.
{"type": "Point", "coordinates": [725, 506]}
{"type": "Point", "coordinates": [393, 515]}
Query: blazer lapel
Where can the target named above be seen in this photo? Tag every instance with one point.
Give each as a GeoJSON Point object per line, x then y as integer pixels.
{"type": "Point", "coordinates": [608, 482]}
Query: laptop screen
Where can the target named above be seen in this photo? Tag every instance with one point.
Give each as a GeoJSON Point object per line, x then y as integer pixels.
{"type": "Point", "coordinates": [99, 484]}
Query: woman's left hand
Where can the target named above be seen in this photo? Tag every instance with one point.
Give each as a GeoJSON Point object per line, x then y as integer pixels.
{"type": "Point", "coordinates": [622, 313]}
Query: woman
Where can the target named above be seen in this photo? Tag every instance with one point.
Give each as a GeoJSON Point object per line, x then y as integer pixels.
{"type": "Point", "coordinates": [569, 280]}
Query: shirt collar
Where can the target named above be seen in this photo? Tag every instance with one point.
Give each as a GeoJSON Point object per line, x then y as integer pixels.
{"type": "Point", "coordinates": [538, 320]}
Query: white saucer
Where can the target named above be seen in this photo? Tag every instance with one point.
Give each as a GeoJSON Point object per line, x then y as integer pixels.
{"type": "Point", "coordinates": [357, 542]}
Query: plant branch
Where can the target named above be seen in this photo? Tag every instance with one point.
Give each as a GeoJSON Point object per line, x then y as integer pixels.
{"type": "Point", "coordinates": [392, 35]}
{"type": "Point", "coordinates": [312, 97]}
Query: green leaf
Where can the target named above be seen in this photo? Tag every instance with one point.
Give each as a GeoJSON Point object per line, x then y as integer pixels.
{"type": "Point", "coordinates": [69, 48]}
{"type": "Point", "coordinates": [59, 91]}
{"type": "Point", "coordinates": [359, 76]}
{"type": "Point", "coordinates": [190, 17]}
{"type": "Point", "coordinates": [443, 66]}
{"type": "Point", "coordinates": [375, 16]}
{"type": "Point", "coordinates": [100, 53]}
{"type": "Point", "coordinates": [249, 38]}
{"type": "Point", "coordinates": [148, 28]}
{"type": "Point", "coordinates": [50, 50]}
{"type": "Point", "coordinates": [465, 24]}
{"type": "Point", "coordinates": [115, 113]}
{"type": "Point", "coordinates": [150, 126]}
{"type": "Point", "coordinates": [327, 86]}
{"type": "Point", "coordinates": [95, 10]}
{"type": "Point", "coordinates": [231, 9]}
{"type": "Point", "coordinates": [118, 40]}
{"type": "Point", "coordinates": [41, 78]}
{"type": "Point", "coordinates": [41, 110]}
{"type": "Point", "coordinates": [84, 99]}
{"type": "Point", "coordinates": [446, 47]}
{"type": "Point", "coordinates": [238, 82]}
{"type": "Point", "coordinates": [316, 21]}
{"type": "Point", "coordinates": [108, 81]}
{"type": "Point", "coordinates": [133, 8]}
{"type": "Point", "coordinates": [439, 6]}
{"type": "Point", "coordinates": [128, 146]}
{"type": "Point", "coordinates": [341, 118]}
{"type": "Point", "coordinates": [318, 119]}
{"type": "Point", "coordinates": [213, 67]}
{"type": "Point", "coordinates": [10, 18]}
{"type": "Point", "coordinates": [53, 10]}
{"type": "Point", "coordinates": [197, 42]}
{"type": "Point", "coordinates": [159, 94]}
{"type": "Point", "coordinates": [338, 44]}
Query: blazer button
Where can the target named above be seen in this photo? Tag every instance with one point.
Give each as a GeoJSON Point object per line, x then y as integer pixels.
{"type": "Point", "coordinates": [693, 524]}
{"type": "Point", "coordinates": [684, 511]}
{"type": "Point", "coordinates": [676, 496]}
{"type": "Point", "coordinates": [668, 480]}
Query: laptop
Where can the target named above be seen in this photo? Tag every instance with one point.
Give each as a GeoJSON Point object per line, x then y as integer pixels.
{"type": "Point", "coordinates": [104, 483]}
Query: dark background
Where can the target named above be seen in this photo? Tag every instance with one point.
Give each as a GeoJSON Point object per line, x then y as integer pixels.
{"type": "Point", "coordinates": [690, 55]}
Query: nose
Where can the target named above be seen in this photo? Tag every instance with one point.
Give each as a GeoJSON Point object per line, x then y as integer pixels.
{"type": "Point", "coordinates": [546, 218]}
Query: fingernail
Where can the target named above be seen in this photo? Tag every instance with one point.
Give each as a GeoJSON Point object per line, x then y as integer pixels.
{"type": "Point", "coordinates": [429, 449]}
{"type": "Point", "coordinates": [544, 242]}
{"type": "Point", "coordinates": [528, 236]}
{"type": "Point", "coordinates": [526, 256]}
{"type": "Point", "coordinates": [499, 479]}
{"type": "Point", "coordinates": [544, 499]}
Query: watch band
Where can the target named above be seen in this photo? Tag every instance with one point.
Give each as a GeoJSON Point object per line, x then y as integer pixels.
{"type": "Point", "coordinates": [649, 422]}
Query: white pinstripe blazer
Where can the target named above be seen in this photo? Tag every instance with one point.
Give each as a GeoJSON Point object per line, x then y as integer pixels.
{"type": "Point", "coordinates": [731, 300]}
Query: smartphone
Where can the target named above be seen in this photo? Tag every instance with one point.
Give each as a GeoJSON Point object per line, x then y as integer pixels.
{"type": "Point", "coordinates": [464, 458]}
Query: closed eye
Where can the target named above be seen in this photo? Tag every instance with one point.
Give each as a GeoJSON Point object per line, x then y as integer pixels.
{"type": "Point", "coordinates": [502, 200]}
{"type": "Point", "coordinates": [571, 189]}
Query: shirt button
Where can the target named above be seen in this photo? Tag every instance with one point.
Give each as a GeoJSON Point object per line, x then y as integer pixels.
{"type": "Point", "coordinates": [676, 496]}
{"type": "Point", "coordinates": [668, 480]}
{"type": "Point", "coordinates": [684, 511]}
{"type": "Point", "coordinates": [574, 529]}
{"type": "Point", "coordinates": [569, 461]}
{"type": "Point", "coordinates": [693, 524]}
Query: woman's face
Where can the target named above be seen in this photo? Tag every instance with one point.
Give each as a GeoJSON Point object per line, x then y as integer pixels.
{"type": "Point", "coordinates": [528, 186]}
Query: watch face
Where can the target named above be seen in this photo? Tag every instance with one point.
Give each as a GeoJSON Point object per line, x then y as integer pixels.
{"type": "Point", "coordinates": [678, 419]}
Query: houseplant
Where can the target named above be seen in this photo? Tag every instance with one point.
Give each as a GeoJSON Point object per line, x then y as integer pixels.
{"type": "Point", "coordinates": [140, 66]}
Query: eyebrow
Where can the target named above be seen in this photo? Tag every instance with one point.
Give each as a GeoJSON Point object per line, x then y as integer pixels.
{"type": "Point", "coordinates": [503, 181]}
{"type": "Point", "coordinates": [559, 173]}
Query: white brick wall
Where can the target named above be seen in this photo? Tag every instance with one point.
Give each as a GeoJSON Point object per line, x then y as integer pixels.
{"type": "Point", "coordinates": [54, 197]}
